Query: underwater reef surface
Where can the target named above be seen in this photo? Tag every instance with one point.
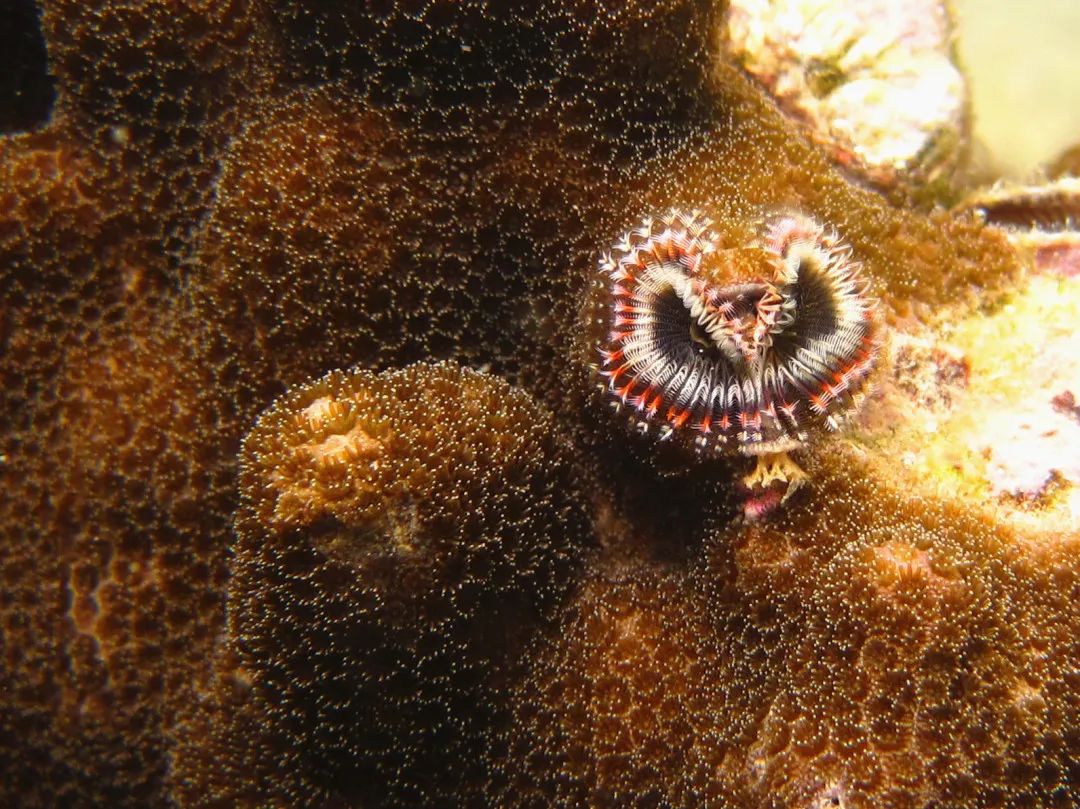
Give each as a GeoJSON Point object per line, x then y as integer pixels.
{"type": "Point", "coordinates": [312, 491]}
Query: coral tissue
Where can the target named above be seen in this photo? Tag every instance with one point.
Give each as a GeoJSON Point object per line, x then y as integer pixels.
{"type": "Point", "coordinates": [310, 491]}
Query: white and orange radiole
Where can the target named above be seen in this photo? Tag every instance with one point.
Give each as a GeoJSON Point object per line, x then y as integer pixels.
{"type": "Point", "coordinates": [736, 349]}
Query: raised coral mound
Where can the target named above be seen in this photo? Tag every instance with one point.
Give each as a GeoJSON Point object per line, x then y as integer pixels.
{"type": "Point", "coordinates": [623, 705]}
{"type": "Point", "coordinates": [400, 536]}
{"type": "Point", "coordinates": [874, 647]}
{"type": "Point", "coordinates": [919, 664]}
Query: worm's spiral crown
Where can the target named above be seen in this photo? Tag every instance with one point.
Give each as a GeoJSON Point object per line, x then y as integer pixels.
{"type": "Point", "coordinates": [730, 363]}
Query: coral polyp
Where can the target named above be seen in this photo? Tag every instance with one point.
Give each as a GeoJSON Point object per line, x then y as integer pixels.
{"type": "Point", "coordinates": [700, 346]}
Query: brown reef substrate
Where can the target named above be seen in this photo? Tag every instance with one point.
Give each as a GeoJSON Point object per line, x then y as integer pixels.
{"type": "Point", "coordinates": [228, 201]}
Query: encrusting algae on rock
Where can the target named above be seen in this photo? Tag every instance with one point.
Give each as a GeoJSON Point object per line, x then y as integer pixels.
{"type": "Point", "coordinates": [415, 584]}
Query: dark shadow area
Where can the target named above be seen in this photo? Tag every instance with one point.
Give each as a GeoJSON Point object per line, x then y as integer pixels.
{"type": "Point", "coordinates": [27, 91]}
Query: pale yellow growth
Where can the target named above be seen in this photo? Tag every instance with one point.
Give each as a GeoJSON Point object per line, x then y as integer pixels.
{"type": "Point", "coordinates": [900, 565]}
{"type": "Point", "coordinates": [1028, 698]}
{"type": "Point", "coordinates": [346, 439]}
{"type": "Point", "coordinates": [775, 467]}
{"type": "Point", "coordinates": [321, 411]}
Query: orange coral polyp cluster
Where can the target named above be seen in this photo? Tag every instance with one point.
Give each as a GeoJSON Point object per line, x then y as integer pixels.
{"type": "Point", "coordinates": [735, 363]}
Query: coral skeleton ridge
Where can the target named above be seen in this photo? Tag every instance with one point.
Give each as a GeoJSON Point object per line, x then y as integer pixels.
{"type": "Point", "coordinates": [335, 474]}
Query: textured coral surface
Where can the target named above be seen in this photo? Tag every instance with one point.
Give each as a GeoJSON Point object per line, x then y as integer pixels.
{"type": "Point", "coordinates": [444, 578]}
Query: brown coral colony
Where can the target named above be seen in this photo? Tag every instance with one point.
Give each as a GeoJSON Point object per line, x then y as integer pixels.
{"type": "Point", "coordinates": [334, 474]}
